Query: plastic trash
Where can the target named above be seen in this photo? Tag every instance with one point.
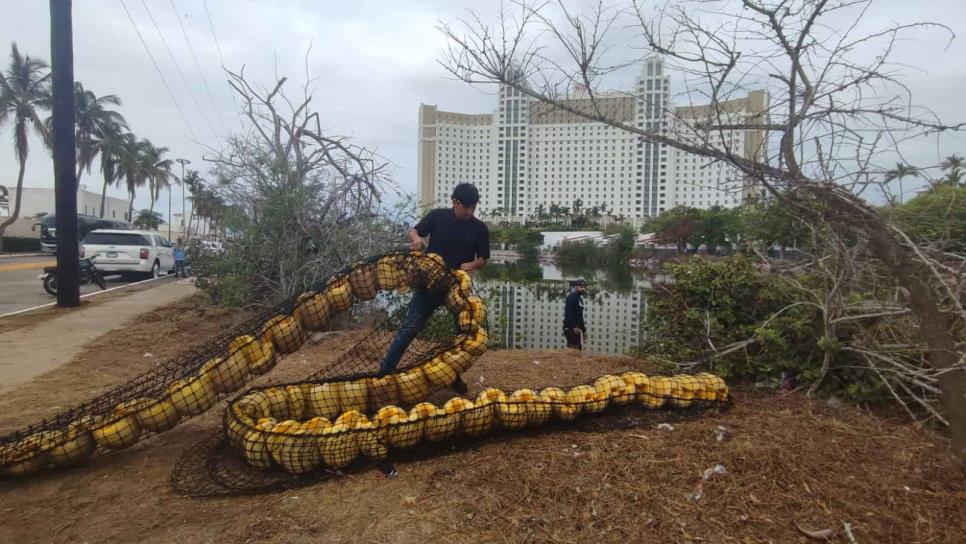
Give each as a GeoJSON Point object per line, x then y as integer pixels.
{"type": "Point", "coordinates": [698, 491]}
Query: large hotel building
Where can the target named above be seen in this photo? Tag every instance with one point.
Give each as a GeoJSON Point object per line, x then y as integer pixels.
{"type": "Point", "coordinates": [527, 155]}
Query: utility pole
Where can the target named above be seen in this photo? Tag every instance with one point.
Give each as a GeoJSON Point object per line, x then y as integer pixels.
{"type": "Point", "coordinates": [65, 154]}
{"type": "Point", "coordinates": [184, 234]}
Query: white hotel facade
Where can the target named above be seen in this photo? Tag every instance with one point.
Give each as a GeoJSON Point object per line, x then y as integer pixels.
{"type": "Point", "coordinates": [526, 154]}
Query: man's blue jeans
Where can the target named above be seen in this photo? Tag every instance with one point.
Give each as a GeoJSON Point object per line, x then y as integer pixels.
{"type": "Point", "coordinates": [421, 307]}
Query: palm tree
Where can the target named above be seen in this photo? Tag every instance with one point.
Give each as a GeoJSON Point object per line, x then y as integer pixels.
{"type": "Point", "coordinates": [157, 171]}
{"type": "Point", "coordinates": [134, 156]}
{"type": "Point", "coordinates": [24, 91]}
{"type": "Point", "coordinates": [193, 182]}
{"type": "Point", "coordinates": [92, 120]}
{"type": "Point", "coordinates": [555, 211]}
{"type": "Point", "coordinates": [953, 167]}
{"type": "Point", "coordinates": [206, 204]}
{"type": "Point", "coordinates": [112, 146]}
{"type": "Point", "coordinates": [952, 162]}
{"type": "Point", "coordinates": [148, 220]}
{"type": "Point", "coordinates": [901, 171]}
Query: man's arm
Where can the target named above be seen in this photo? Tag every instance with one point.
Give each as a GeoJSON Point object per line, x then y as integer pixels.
{"type": "Point", "coordinates": [416, 242]}
{"type": "Point", "coordinates": [569, 311]}
{"type": "Point", "coordinates": [475, 264]}
{"type": "Point", "coordinates": [418, 234]}
{"type": "Point", "coordinates": [482, 251]}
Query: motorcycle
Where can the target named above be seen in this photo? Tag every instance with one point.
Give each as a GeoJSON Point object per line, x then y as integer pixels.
{"type": "Point", "coordinates": [88, 273]}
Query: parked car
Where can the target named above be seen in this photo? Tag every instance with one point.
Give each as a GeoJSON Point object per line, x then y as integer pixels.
{"type": "Point", "coordinates": [214, 246]}
{"type": "Point", "coordinates": [129, 251]}
{"type": "Point", "coordinates": [85, 224]}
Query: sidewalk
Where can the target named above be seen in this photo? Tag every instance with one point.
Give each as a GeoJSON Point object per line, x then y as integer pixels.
{"type": "Point", "coordinates": [28, 352]}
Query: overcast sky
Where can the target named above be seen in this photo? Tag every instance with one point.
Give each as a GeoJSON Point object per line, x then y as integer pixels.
{"type": "Point", "coordinates": [376, 60]}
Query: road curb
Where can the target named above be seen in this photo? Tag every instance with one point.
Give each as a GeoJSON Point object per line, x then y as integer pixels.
{"type": "Point", "coordinates": [15, 255]}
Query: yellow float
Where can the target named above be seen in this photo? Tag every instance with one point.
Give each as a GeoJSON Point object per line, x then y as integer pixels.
{"type": "Point", "coordinates": [330, 423]}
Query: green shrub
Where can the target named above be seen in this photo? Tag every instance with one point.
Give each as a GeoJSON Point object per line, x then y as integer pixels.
{"type": "Point", "coordinates": [620, 247]}
{"type": "Point", "coordinates": [936, 218]}
{"type": "Point", "coordinates": [289, 247]}
{"type": "Point", "coordinates": [720, 302]}
{"type": "Point", "coordinates": [524, 240]}
{"type": "Point", "coordinates": [580, 252]}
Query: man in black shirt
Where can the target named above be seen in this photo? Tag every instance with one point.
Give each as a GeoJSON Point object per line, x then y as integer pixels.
{"type": "Point", "coordinates": [573, 326]}
{"type": "Point", "coordinates": [463, 242]}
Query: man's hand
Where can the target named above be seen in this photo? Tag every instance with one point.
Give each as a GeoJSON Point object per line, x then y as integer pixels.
{"type": "Point", "coordinates": [479, 262]}
{"type": "Point", "coordinates": [416, 242]}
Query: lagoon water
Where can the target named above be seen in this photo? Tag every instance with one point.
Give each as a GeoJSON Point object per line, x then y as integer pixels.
{"type": "Point", "coordinates": [525, 305]}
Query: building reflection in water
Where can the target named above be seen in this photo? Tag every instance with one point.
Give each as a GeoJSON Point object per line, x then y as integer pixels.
{"type": "Point", "coordinates": [527, 313]}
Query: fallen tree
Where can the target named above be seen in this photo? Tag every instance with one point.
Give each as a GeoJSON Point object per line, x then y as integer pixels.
{"type": "Point", "coordinates": [837, 111]}
{"type": "Point", "coordinates": [300, 203]}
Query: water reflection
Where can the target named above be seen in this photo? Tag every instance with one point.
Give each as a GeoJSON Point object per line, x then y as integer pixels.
{"type": "Point", "coordinates": [526, 306]}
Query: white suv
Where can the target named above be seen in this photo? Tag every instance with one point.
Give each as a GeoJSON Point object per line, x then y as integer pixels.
{"type": "Point", "coordinates": [214, 246]}
{"type": "Point", "coordinates": [129, 251]}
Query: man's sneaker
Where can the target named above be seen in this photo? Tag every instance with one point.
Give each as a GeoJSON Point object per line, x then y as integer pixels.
{"type": "Point", "coordinates": [460, 386]}
{"type": "Point", "coordinates": [387, 469]}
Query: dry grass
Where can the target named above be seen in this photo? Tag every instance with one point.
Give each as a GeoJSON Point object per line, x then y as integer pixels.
{"type": "Point", "coordinates": [787, 460]}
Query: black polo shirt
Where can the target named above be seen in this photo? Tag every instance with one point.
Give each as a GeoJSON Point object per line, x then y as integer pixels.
{"type": "Point", "coordinates": [456, 241]}
{"type": "Point", "coordinates": [574, 311]}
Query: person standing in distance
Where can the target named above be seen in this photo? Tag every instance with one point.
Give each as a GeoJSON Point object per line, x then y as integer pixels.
{"type": "Point", "coordinates": [463, 242]}
{"type": "Point", "coordinates": [573, 327]}
{"type": "Point", "coordinates": [179, 258]}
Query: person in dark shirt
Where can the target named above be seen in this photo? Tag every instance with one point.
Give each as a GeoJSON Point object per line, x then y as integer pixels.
{"type": "Point", "coordinates": [573, 327]}
{"type": "Point", "coordinates": [463, 242]}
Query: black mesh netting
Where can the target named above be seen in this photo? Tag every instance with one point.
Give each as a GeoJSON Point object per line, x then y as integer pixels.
{"type": "Point", "coordinates": [347, 413]}
{"type": "Point", "coordinates": [191, 383]}
{"type": "Point", "coordinates": [213, 467]}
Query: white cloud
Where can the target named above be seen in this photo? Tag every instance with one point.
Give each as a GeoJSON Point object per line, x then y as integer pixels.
{"type": "Point", "coordinates": [376, 62]}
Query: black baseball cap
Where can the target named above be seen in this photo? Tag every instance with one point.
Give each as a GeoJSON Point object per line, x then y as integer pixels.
{"type": "Point", "coordinates": [579, 282]}
{"type": "Point", "coordinates": [467, 194]}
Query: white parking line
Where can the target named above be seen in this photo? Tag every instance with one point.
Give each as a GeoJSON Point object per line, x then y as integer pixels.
{"type": "Point", "coordinates": [18, 312]}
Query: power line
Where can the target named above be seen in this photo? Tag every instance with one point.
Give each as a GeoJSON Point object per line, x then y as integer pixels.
{"type": "Point", "coordinates": [211, 25]}
{"type": "Point", "coordinates": [160, 73]}
{"type": "Point", "coordinates": [177, 66]}
{"type": "Point", "coordinates": [194, 57]}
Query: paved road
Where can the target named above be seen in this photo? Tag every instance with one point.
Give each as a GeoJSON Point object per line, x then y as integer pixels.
{"type": "Point", "coordinates": [20, 287]}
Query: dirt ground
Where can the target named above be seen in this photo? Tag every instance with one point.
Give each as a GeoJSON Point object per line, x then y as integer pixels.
{"type": "Point", "coordinates": [786, 461]}
{"type": "Point", "coordinates": [29, 352]}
